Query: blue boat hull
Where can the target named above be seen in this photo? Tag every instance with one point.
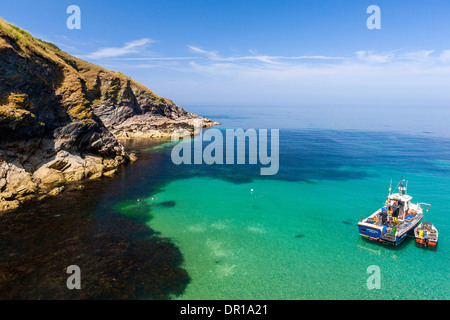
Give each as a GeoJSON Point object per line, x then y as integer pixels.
{"type": "Point", "coordinates": [370, 233]}
{"type": "Point", "coordinates": [375, 234]}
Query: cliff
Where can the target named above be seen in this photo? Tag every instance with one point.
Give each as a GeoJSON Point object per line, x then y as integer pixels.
{"type": "Point", "coordinates": [62, 118]}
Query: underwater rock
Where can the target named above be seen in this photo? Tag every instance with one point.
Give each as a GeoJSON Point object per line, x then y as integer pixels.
{"type": "Point", "coordinates": [167, 204]}
{"type": "Point", "coordinates": [119, 257]}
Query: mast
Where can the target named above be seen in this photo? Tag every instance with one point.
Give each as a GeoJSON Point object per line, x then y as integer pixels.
{"type": "Point", "coordinates": [401, 189]}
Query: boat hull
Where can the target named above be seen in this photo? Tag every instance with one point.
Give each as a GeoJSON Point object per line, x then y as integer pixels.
{"type": "Point", "coordinates": [369, 233]}
{"type": "Point", "coordinates": [376, 234]}
{"type": "Point", "coordinates": [428, 243]}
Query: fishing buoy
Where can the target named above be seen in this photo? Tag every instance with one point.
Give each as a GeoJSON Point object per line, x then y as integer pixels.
{"type": "Point", "coordinates": [138, 199]}
{"type": "Point", "coordinates": [251, 190]}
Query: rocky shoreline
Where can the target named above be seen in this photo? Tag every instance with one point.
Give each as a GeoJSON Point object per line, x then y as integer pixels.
{"type": "Point", "coordinates": [62, 118]}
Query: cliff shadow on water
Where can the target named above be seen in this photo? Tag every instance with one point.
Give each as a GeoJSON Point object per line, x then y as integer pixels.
{"type": "Point", "coordinates": [119, 256]}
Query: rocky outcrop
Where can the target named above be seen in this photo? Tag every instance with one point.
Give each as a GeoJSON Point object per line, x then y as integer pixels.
{"type": "Point", "coordinates": [129, 110]}
{"type": "Point", "coordinates": [62, 118]}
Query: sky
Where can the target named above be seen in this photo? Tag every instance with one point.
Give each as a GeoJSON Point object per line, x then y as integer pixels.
{"type": "Point", "coordinates": [258, 52]}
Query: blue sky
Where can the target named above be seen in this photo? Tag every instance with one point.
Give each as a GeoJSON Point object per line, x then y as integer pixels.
{"type": "Point", "coordinates": [257, 52]}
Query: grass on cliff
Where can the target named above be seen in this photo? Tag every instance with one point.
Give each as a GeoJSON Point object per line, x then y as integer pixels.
{"type": "Point", "coordinates": [24, 36]}
{"type": "Point", "coordinates": [80, 77]}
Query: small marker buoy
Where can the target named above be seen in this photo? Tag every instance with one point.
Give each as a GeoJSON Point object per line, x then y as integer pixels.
{"type": "Point", "coordinates": [251, 190]}
{"type": "Point", "coordinates": [138, 199]}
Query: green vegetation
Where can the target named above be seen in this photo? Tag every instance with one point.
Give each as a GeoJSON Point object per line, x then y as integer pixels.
{"type": "Point", "coordinates": [20, 30]}
{"type": "Point", "coordinates": [49, 44]}
{"type": "Point", "coordinates": [80, 85]}
{"type": "Point", "coordinates": [10, 114]}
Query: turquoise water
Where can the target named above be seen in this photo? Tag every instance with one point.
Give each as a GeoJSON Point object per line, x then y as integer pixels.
{"type": "Point", "coordinates": [295, 235]}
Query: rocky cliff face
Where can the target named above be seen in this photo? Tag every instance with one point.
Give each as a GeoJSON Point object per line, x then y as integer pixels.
{"type": "Point", "coordinates": [61, 118]}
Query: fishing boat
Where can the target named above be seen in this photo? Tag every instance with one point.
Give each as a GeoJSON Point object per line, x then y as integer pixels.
{"type": "Point", "coordinates": [396, 219]}
{"type": "Point", "coordinates": [426, 234]}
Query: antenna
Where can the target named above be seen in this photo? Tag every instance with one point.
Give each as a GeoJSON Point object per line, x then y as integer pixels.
{"type": "Point", "coordinates": [401, 188]}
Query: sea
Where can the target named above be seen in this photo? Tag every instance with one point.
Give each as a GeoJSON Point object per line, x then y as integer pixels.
{"type": "Point", "coordinates": [237, 234]}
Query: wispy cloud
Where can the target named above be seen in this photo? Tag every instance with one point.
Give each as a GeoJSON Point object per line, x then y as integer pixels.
{"type": "Point", "coordinates": [156, 58]}
{"type": "Point", "coordinates": [445, 56]}
{"type": "Point", "coordinates": [362, 59]}
{"type": "Point", "coordinates": [422, 55]}
{"type": "Point", "coordinates": [134, 46]}
{"type": "Point", "coordinates": [212, 55]}
{"type": "Point", "coordinates": [371, 57]}
{"type": "Point", "coordinates": [403, 76]}
{"type": "Point", "coordinates": [398, 76]}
